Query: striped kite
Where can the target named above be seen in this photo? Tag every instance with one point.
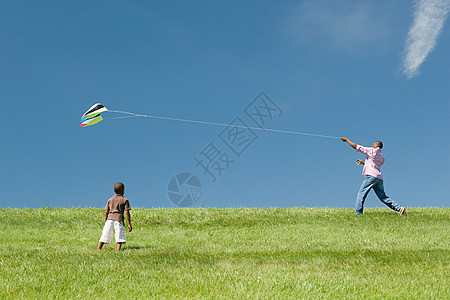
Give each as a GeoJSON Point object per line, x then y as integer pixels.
{"type": "Point", "coordinates": [92, 115]}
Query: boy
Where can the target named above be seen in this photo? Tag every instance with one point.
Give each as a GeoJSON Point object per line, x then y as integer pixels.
{"type": "Point", "coordinates": [374, 177]}
{"type": "Point", "coordinates": [115, 208]}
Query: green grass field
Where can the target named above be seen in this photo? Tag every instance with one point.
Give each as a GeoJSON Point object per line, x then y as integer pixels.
{"type": "Point", "coordinates": [294, 253]}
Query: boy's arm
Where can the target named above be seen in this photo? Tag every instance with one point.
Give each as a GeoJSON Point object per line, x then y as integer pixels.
{"type": "Point", "coordinates": [106, 214]}
{"type": "Point", "coordinates": [127, 214]}
{"type": "Point", "coordinates": [344, 139]}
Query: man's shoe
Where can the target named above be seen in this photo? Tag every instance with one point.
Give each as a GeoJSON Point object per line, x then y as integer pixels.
{"type": "Point", "coordinates": [401, 211]}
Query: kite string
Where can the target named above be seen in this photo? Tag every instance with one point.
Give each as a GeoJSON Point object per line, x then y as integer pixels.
{"type": "Point", "coordinates": [125, 112]}
{"type": "Point", "coordinates": [134, 115]}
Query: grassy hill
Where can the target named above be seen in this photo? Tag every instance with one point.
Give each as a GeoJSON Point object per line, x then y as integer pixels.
{"type": "Point", "coordinates": [292, 253]}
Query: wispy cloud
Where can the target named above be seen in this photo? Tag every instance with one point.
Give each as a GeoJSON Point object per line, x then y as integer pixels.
{"type": "Point", "coordinates": [429, 18]}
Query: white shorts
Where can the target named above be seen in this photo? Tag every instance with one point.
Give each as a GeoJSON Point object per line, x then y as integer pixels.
{"type": "Point", "coordinates": [112, 226]}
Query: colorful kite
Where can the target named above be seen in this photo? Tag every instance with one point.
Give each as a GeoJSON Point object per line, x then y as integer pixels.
{"type": "Point", "coordinates": [92, 115]}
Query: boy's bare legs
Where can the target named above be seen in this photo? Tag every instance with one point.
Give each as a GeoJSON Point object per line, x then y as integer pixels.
{"type": "Point", "coordinates": [100, 245]}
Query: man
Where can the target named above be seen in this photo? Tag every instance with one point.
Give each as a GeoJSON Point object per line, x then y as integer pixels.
{"type": "Point", "coordinates": [374, 177]}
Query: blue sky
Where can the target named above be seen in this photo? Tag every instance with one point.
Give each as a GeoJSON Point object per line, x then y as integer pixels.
{"type": "Point", "coordinates": [333, 68]}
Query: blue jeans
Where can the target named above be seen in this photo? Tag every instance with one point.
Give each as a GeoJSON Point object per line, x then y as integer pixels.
{"type": "Point", "coordinates": [377, 185]}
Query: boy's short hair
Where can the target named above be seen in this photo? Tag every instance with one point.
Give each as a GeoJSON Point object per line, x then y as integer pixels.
{"type": "Point", "coordinates": [379, 144]}
{"type": "Point", "coordinates": [119, 188]}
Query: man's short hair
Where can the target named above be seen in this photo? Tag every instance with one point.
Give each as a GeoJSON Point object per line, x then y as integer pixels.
{"type": "Point", "coordinates": [379, 144]}
{"type": "Point", "coordinates": [119, 188]}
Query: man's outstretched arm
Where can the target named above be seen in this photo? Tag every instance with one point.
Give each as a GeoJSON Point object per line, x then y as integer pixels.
{"type": "Point", "coordinates": [344, 139]}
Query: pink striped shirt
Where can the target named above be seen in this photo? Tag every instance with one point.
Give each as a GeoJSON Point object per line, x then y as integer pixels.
{"type": "Point", "coordinates": [374, 161]}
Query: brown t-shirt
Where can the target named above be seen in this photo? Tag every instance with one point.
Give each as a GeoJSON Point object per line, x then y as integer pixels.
{"type": "Point", "coordinates": [116, 206]}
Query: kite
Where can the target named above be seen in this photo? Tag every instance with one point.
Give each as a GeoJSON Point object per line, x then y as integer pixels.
{"type": "Point", "coordinates": [92, 115]}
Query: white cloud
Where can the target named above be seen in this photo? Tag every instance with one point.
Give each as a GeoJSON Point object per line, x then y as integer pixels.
{"type": "Point", "coordinates": [429, 18]}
